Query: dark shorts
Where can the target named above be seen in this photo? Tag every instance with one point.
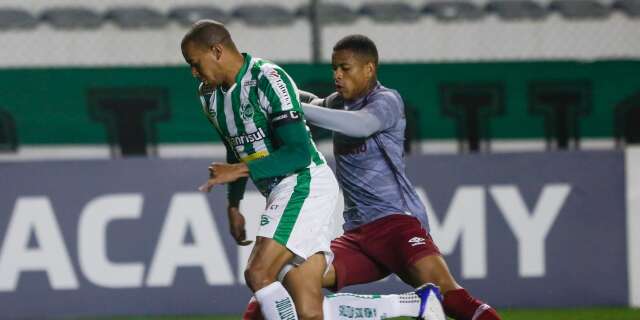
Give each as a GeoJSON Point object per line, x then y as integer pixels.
{"type": "Point", "coordinates": [379, 248]}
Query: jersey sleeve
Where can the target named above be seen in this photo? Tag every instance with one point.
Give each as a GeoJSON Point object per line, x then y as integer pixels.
{"type": "Point", "coordinates": [280, 101]}
{"type": "Point", "coordinates": [278, 92]}
{"type": "Point", "coordinates": [293, 155]}
{"type": "Point", "coordinates": [357, 124]}
{"type": "Point", "coordinates": [387, 108]}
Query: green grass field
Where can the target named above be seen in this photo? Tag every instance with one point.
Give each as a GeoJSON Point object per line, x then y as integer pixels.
{"type": "Point", "coordinates": [531, 314]}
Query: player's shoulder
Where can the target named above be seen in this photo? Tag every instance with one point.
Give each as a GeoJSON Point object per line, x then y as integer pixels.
{"type": "Point", "coordinates": [266, 68]}
{"type": "Point", "coordinates": [382, 94]}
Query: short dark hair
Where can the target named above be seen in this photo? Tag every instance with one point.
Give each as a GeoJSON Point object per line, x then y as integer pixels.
{"type": "Point", "coordinates": [207, 33]}
{"type": "Point", "coordinates": [360, 45]}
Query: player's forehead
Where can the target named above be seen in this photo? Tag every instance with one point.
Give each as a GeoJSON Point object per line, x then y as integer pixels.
{"type": "Point", "coordinates": [192, 52]}
{"type": "Point", "coordinates": [346, 57]}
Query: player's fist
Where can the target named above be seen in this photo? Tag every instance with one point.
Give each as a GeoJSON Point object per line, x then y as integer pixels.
{"type": "Point", "coordinates": [220, 173]}
{"type": "Point", "coordinates": [236, 226]}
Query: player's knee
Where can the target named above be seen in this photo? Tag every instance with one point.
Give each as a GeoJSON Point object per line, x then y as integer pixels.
{"type": "Point", "coordinates": [306, 313]}
{"type": "Point", "coordinates": [309, 305]}
{"type": "Point", "coordinates": [258, 277]}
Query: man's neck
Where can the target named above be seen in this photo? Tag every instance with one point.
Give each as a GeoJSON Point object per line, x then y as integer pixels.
{"type": "Point", "coordinates": [233, 69]}
{"type": "Point", "coordinates": [370, 86]}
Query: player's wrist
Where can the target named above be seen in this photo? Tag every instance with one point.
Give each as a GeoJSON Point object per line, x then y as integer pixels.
{"type": "Point", "coordinates": [233, 208]}
{"type": "Point", "coordinates": [241, 168]}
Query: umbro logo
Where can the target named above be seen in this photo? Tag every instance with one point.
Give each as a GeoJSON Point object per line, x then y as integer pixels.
{"type": "Point", "coordinates": [416, 241]}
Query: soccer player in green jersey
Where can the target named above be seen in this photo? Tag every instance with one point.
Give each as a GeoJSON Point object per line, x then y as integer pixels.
{"type": "Point", "coordinates": [256, 110]}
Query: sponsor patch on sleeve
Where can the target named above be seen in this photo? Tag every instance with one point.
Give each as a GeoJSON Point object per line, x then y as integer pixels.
{"type": "Point", "coordinates": [284, 117]}
{"type": "Point", "coordinates": [280, 88]}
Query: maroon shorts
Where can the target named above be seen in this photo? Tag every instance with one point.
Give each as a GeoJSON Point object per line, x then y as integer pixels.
{"type": "Point", "coordinates": [373, 251]}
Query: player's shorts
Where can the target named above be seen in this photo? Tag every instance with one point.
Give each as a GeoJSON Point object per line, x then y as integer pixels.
{"type": "Point", "coordinates": [299, 212]}
{"type": "Point", "coordinates": [373, 251]}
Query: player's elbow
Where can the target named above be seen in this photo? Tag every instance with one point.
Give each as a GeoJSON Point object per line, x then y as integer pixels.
{"type": "Point", "coordinates": [299, 155]}
{"type": "Point", "coordinates": [366, 132]}
{"type": "Point", "coordinates": [303, 154]}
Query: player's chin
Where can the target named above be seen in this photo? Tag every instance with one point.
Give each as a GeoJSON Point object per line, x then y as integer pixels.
{"type": "Point", "coordinates": [210, 82]}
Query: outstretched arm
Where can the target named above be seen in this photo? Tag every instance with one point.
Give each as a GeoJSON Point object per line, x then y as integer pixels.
{"type": "Point", "coordinates": [357, 124]}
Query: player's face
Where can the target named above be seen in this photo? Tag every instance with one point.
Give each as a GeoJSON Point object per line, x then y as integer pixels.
{"type": "Point", "coordinates": [352, 74]}
{"type": "Point", "coordinates": [205, 64]}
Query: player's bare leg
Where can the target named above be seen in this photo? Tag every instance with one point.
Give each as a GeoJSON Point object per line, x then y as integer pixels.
{"type": "Point", "coordinates": [347, 305]}
{"type": "Point", "coordinates": [430, 269]}
{"type": "Point", "coordinates": [305, 286]}
{"type": "Point", "coordinates": [265, 261]}
{"type": "Point", "coordinates": [457, 302]}
{"type": "Point", "coordinates": [329, 280]}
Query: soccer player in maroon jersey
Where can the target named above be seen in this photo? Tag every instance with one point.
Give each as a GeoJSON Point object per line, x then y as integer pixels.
{"type": "Point", "coordinates": [386, 227]}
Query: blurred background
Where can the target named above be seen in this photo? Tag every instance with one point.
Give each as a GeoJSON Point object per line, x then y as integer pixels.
{"type": "Point", "coordinates": [510, 104]}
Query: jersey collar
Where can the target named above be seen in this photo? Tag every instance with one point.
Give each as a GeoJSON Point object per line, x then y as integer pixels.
{"type": "Point", "coordinates": [245, 66]}
{"type": "Point", "coordinates": [241, 72]}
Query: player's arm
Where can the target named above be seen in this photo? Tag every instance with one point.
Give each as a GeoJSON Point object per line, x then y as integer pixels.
{"type": "Point", "coordinates": [288, 128]}
{"type": "Point", "coordinates": [235, 193]}
{"type": "Point", "coordinates": [294, 152]}
{"type": "Point", "coordinates": [232, 172]}
{"type": "Point", "coordinates": [381, 113]}
{"type": "Point", "coordinates": [308, 97]}
{"type": "Point", "coordinates": [235, 189]}
{"type": "Point", "coordinates": [357, 124]}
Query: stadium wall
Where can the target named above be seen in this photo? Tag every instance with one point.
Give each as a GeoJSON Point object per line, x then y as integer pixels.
{"type": "Point", "coordinates": [554, 226]}
{"type": "Point", "coordinates": [57, 106]}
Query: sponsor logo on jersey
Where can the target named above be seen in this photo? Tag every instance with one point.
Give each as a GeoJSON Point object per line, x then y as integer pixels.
{"type": "Point", "coordinates": [250, 83]}
{"type": "Point", "coordinates": [416, 241]}
{"type": "Point", "coordinates": [281, 89]}
{"type": "Point", "coordinates": [351, 147]}
{"type": "Point", "coordinates": [286, 115]}
{"type": "Point", "coordinates": [247, 138]}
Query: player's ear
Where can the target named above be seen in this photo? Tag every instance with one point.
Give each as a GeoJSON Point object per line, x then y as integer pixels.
{"type": "Point", "coordinates": [216, 50]}
{"type": "Point", "coordinates": [371, 69]}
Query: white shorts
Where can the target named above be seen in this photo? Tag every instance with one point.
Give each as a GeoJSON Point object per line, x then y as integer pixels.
{"type": "Point", "coordinates": [300, 211]}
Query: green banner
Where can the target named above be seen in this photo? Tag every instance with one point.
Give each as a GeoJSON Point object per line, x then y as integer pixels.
{"type": "Point", "coordinates": [75, 105]}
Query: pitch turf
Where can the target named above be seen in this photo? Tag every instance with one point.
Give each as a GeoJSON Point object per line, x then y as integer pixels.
{"type": "Point", "coordinates": [533, 314]}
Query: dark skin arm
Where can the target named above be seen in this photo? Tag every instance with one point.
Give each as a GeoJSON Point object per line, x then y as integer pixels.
{"type": "Point", "coordinates": [221, 173]}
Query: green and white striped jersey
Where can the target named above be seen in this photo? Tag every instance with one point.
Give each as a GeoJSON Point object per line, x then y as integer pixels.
{"type": "Point", "coordinates": [243, 115]}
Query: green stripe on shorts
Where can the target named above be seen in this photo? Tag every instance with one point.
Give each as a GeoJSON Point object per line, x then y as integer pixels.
{"type": "Point", "coordinates": [294, 206]}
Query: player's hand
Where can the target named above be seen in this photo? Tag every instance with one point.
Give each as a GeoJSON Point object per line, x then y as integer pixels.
{"type": "Point", "coordinates": [220, 173]}
{"type": "Point", "coordinates": [236, 226]}
{"type": "Point", "coordinates": [334, 101]}
{"type": "Point", "coordinates": [306, 96]}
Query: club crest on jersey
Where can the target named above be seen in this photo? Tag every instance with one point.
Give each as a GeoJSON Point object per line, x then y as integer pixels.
{"type": "Point", "coordinates": [246, 112]}
{"type": "Point", "coordinates": [247, 138]}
